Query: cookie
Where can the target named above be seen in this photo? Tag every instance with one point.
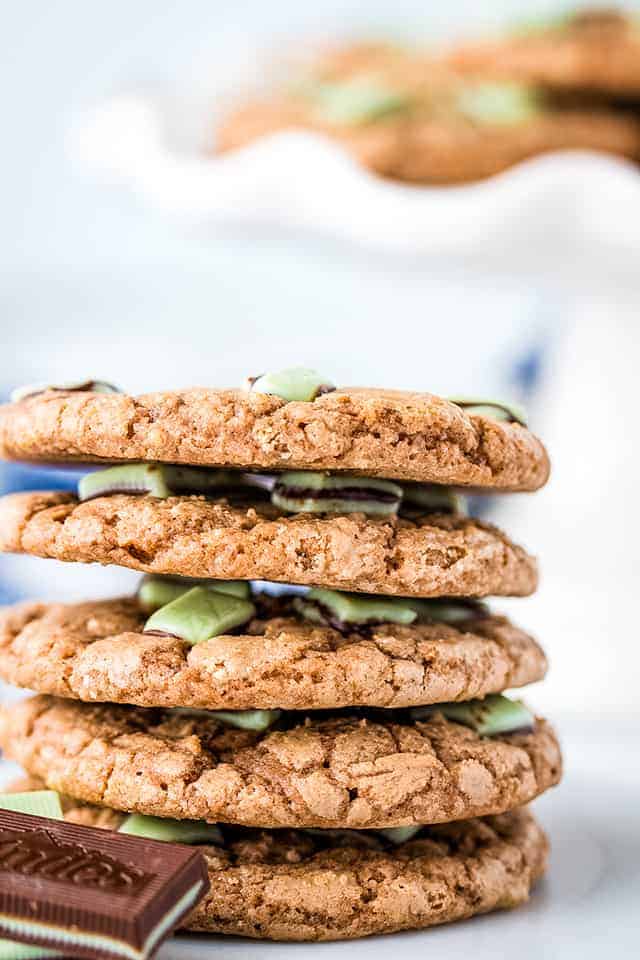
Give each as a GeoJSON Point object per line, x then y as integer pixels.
{"type": "Point", "coordinates": [434, 555]}
{"type": "Point", "coordinates": [595, 51]}
{"type": "Point", "coordinates": [407, 117]}
{"type": "Point", "coordinates": [349, 770]}
{"type": "Point", "coordinates": [387, 433]}
{"type": "Point", "coordinates": [97, 652]}
{"type": "Point", "coordinates": [282, 885]}
{"type": "Point", "coordinates": [449, 151]}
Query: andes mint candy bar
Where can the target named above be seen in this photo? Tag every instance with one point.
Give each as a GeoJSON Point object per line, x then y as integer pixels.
{"type": "Point", "coordinates": [92, 893]}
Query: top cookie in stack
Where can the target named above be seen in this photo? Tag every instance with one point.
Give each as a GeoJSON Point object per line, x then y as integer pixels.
{"type": "Point", "coordinates": [372, 709]}
{"type": "Point", "coordinates": [285, 421]}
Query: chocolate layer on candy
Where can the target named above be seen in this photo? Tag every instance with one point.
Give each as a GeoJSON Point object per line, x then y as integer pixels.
{"type": "Point", "coordinates": [92, 893]}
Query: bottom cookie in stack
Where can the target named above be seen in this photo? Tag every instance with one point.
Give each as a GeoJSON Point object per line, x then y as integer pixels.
{"type": "Point", "coordinates": [342, 884]}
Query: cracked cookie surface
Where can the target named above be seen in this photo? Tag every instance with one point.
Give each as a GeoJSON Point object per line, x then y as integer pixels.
{"type": "Point", "coordinates": [96, 651]}
{"type": "Point", "coordinates": [387, 433]}
{"type": "Point", "coordinates": [434, 555]}
{"type": "Point", "coordinates": [339, 771]}
{"type": "Point", "coordinates": [292, 885]}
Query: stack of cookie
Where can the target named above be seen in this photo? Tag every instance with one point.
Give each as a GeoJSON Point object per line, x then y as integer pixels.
{"type": "Point", "coordinates": [344, 753]}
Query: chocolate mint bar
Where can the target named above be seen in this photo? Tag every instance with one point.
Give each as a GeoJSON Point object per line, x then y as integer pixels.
{"type": "Point", "coordinates": [92, 893]}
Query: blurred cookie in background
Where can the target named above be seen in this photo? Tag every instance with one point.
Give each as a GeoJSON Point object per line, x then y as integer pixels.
{"type": "Point", "coordinates": [590, 51]}
{"type": "Point", "coordinates": [404, 115]}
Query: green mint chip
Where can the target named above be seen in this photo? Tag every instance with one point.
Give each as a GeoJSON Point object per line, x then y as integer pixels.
{"type": "Point", "coordinates": [295, 383]}
{"type": "Point", "coordinates": [327, 606]}
{"type": "Point", "coordinates": [503, 104]}
{"type": "Point", "coordinates": [199, 614]}
{"type": "Point", "coordinates": [490, 717]}
{"type": "Point", "coordinates": [157, 591]}
{"type": "Point", "coordinates": [171, 831]}
{"type": "Point", "coordinates": [39, 803]}
{"type": "Point", "coordinates": [494, 409]}
{"type": "Point", "coordinates": [361, 100]}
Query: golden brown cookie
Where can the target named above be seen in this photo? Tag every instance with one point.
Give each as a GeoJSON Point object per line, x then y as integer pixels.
{"type": "Point", "coordinates": [434, 555]}
{"type": "Point", "coordinates": [288, 885]}
{"type": "Point", "coordinates": [97, 651]}
{"type": "Point", "coordinates": [405, 116]}
{"type": "Point", "coordinates": [387, 433]}
{"type": "Point", "coordinates": [294, 885]}
{"type": "Point", "coordinates": [342, 771]}
{"type": "Point", "coordinates": [596, 51]}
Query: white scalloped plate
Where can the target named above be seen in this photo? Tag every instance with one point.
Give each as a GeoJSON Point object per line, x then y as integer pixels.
{"type": "Point", "coordinates": [294, 179]}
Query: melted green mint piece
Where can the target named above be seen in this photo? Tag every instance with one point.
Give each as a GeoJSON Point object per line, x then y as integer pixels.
{"type": "Point", "coordinates": [360, 100]}
{"type": "Point", "coordinates": [494, 409]}
{"type": "Point", "coordinates": [490, 717]}
{"type": "Point", "coordinates": [447, 611]}
{"type": "Point", "coordinates": [296, 383]}
{"type": "Point", "coordinates": [322, 606]}
{"type": "Point", "coordinates": [200, 614]}
{"type": "Point", "coordinates": [134, 478]}
{"type": "Point", "coordinates": [504, 104]}
{"type": "Point", "coordinates": [531, 26]}
{"type": "Point", "coordinates": [171, 831]}
{"type": "Point", "coordinates": [39, 803]}
{"type": "Point", "coordinates": [400, 834]}
{"type": "Point", "coordinates": [156, 592]}
{"type": "Point", "coordinates": [310, 491]}
{"type": "Point", "coordinates": [158, 480]}
{"type": "Point", "coordinates": [84, 386]}
{"type": "Point", "coordinates": [256, 720]}
{"type": "Point", "coordinates": [433, 498]}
